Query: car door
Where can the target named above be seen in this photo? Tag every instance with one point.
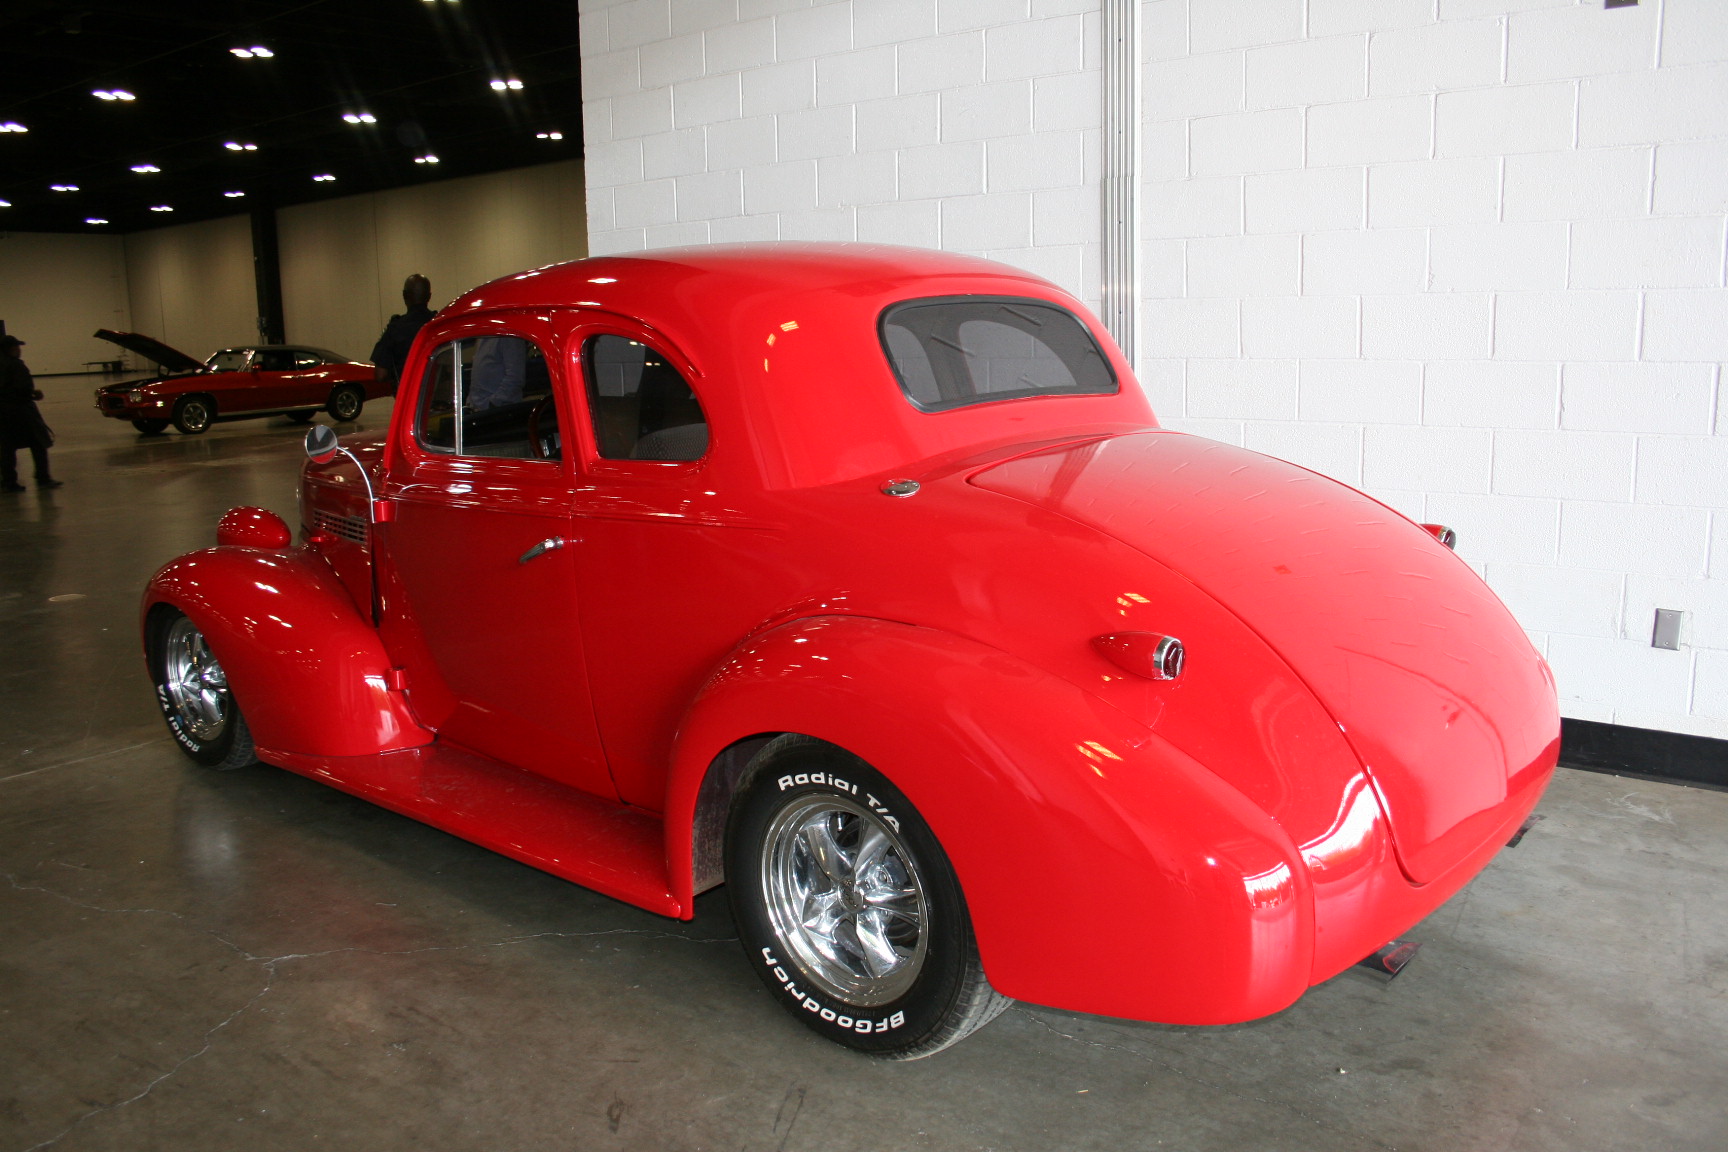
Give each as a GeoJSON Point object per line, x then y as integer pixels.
{"type": "Point", "coordinates": [480, 594]}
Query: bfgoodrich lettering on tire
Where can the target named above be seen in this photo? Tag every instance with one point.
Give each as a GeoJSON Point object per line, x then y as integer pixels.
{"type": "Point", "coordinates": [192, 691]}
{"type": "Point", "coordinates": [847, 906]}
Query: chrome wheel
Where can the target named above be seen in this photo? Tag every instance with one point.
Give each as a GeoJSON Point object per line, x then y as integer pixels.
{"type": "Point", "coordinates": [197, 687]}
{"type": "Point", "coordinates": [345, 404]}
{"type": "Point", "coordinates": [844, 895]}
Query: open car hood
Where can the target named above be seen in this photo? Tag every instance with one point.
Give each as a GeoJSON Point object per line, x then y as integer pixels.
{"type": "Point", "coordinates": [153, 350]}
{"type": "Point", "coordinates": [1430, 678]}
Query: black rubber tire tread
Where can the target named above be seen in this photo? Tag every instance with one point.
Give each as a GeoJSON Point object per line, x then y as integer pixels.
{"type": "Point", "coordinates": [179, 419]}
{"type": "Point", "coordinates": [359, 403]}
{"type": "Point", "coordinates": [951, 998]}
{"type": "Point", "coordinates": [231, 748]}
{"type": "Point", "coordinates": [149, 427]}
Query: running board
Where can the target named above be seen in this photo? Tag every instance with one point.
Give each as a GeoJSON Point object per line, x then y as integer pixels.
{"type": "Point", "coordinates": [600, 844]}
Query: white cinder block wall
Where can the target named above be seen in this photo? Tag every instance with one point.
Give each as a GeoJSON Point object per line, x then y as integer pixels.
{"type": "Point", "coordinates": [1465, 254]}
{"type": "Point", "coordinates": [1468, 256]}
{"type": "Point", "coordinates": [970, 125]}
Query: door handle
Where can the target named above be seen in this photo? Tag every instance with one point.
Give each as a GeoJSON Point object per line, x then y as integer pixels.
{"type": "Point", "coordinates": [550, 544]}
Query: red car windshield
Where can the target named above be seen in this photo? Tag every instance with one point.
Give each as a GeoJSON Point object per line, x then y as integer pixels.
{"type": "Point", "coordinates": [229, 360]}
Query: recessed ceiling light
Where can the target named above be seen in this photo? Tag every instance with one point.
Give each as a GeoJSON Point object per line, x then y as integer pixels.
{"type": "Point", "coordinates": [359, 118]}
{"type": "Point", "coordinates": [94, 220]}
{"type": "Point", "coordinates": [161, 208]}
{"type": "Point", "coordinates": [5, 203]}
{"type": "Point", "coordinates": [426, 159]}
{"type": "Point", "coordinates": [13, 126]}
{"type": "Point", "coordinates": [510, 85]}
{"type": "Point", "coordinates": [548, 135]}
{"type": "Point", "coordinates": [233, 195]}
{"type": "Point", "coordinates": [145, 168]}
{"type": "Point", "coordinates": [236, 146]}
{"type": "Point", "coordinates": [256, 52]}
{"type": "Point", "coordinates": [323, 178]}
{"type": "Point", "coordinates": [63, 187]}
{"type": "Point", "coordinates": [113, 94]}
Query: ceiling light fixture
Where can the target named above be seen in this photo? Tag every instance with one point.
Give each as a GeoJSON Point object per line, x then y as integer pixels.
{"type": "Point", "coordinates": [63, 187]}
{"type": "Point", "coordinates": [233, 195]}
{"type": "Point", "coordinates": [145, 168]}
{"type": "Point", "coordinates": [13, 126]}
{"type": "Point", "coordinates": [5, 203]}
{"type": "Point", "coordinates": [510, 85]}
{"type": "Point", "coordinates": [323, 178]}
{"type": "Point", "coordinates": [236, 146]}
{"type": "Point", "coordinates": [94, 220]}
{"type": "Point", "coordinates": [256, 52]}
{"type": "Point", "coordinates": [359, 118]}
{"type": "Point", "coordinates": [426, 159]}
{"type": "Point", "coordinates": [112, 94]}
{"type": "Point", "coordinates": [161, 208]}
{"type": "Point", "coordinates": [548, 135]}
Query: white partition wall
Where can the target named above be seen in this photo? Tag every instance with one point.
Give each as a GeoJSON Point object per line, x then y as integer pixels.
{"type": "Point", "coordinates": [1465, 254]}
{"type": "Point", "coordinates": [1468, 256]}
{"type": "Point", "coordinates": [55, 290]}
{"type": "Point", "coordinates": [967, 126]}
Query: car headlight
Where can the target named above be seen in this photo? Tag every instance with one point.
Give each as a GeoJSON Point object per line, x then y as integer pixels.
{"type": "Point", "coordinates": [135, 397]}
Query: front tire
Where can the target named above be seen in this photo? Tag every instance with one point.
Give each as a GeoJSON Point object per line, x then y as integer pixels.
{"type": "Point", "coordinates": [150, 427]}
{"type": "Point", "coordinates": [346, 403]}
{"type": "Point", "coordinates": [193, 693]}
{"type": "Point", "coordinates": [193, 414]}
{"type": "Point", "coordinates": [848, 908]}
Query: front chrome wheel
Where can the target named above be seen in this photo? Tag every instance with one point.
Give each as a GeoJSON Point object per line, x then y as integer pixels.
{"type": "Point", "coordinates": [844, 896]}
{"type": "Point", "coordinates": [197, 686]}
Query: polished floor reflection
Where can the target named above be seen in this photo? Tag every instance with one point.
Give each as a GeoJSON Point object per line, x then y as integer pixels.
{"type": "Point", "coordinates": [197, 960]}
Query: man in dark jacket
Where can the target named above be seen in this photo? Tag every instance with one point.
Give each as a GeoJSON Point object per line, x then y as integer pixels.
{"type": "Point", "coordinates": [390, 354]}
{"type": "Point", "coordinates": [21, 424]}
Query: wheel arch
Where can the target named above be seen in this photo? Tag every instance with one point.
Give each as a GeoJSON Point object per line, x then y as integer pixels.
{"type": "Point", "coordinates": [307, 670]}
{"type": "Point", "coordinates": [1167, 894]}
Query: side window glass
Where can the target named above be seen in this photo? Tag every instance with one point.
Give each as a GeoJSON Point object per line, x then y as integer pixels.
{"type": "Point", "coordinates": [275, 360]}
{"type": "Point", "coordinates": [306, 360]}
{"type": "Point", "coordinates": [642, 407]}
{"type": "Point", "coordinates": [489, 396]}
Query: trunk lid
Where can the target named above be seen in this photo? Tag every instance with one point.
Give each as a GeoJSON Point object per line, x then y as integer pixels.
{"type": "Point", "coordinates": [1430, 678]}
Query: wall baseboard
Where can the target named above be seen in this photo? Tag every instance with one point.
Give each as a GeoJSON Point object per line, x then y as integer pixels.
{"type": "Point", "coordinates": [1674, 757]}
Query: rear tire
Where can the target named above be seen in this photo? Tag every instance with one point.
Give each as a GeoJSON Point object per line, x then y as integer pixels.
{"type": "Point", "coordinates": [150, 427]}
{"type": "Point", "coordinates": [193, 414]}
{"type": "Point", "coordinates": [193, 693]}
{"type": "Point", "coordinates": [346, 403]}
{"type": "Point", "coordinates": [848, 908]}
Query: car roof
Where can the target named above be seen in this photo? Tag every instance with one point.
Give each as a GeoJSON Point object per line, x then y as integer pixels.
{"type": "Point", "coordinates": [783, 338]}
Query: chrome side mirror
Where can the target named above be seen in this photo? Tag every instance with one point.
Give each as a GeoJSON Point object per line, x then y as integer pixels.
{"type": "Point", "coordinates": [321, 443]}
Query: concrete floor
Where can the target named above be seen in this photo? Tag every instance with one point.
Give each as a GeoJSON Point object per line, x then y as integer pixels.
{"type": "Point", "coordinates": [197, 960]}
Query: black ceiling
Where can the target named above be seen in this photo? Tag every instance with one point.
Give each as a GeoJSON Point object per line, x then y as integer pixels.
{"type": "Point", "coordinates": [423, 68]}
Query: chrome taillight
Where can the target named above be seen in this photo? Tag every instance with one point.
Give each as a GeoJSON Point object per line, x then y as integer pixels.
{"type": "Point", "coordinates": [1147, 654]}
{"type": "Point", "coordinates": [1443, 534]}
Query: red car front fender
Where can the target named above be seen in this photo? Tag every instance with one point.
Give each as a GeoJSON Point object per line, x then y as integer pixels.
{"type": "Point", "coordinates": [307, 670]}
{"type": "Point", "coordinates": [1104, 870]}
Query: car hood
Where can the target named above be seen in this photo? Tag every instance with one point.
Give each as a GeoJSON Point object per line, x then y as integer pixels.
{"type": "Point", "coordinates": [1427, 674]}
{"type": "Point", "coordinates": [153, 350]}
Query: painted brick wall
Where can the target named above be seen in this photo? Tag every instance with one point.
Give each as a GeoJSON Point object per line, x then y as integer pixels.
{"type": "Point", "coordinates": [1468, 255]}
{"type": "Point", "coordinates": [970, 125]}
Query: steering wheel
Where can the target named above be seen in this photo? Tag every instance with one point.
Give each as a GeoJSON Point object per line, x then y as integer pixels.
{"type": "Point", "coordinates": [543, 448]}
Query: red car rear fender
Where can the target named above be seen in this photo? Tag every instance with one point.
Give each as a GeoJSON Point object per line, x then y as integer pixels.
{"type": "Point", "coordinates": [307, 670]}
{"type": "Point", "coordinates": [1105, 871]}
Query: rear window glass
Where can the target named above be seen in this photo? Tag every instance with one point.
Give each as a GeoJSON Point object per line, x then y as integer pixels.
{"type": "Point", "coordinates": [948, 353]}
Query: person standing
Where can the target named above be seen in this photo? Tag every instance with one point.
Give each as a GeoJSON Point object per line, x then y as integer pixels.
{"type": "Point", "coordinates": [21, 423]}
{"type": "Point", "coordinates": [390, 354]}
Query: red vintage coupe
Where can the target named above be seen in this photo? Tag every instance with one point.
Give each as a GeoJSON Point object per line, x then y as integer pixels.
{"type": "Point", "coordinates": [863, 581]}
{"type": "Point", "coordinates": [291, 380]}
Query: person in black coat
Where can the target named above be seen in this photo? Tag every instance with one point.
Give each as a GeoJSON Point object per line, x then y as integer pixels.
{"type": "Point", "coordinates": [390, 354]}
{"type": "Point", "coordinates": [21, 423]}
